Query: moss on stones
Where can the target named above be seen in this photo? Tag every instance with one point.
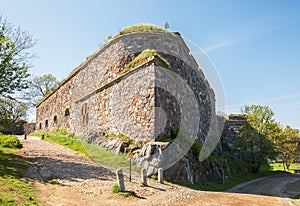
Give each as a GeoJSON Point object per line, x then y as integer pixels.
{"type": "Point", "coordinates": [144, 57]}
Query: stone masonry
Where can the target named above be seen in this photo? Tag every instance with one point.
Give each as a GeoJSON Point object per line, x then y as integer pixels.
{"type": "Point", "coordinates": [98, 98]}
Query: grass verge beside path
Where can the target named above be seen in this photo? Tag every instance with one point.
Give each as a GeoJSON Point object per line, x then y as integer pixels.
{"type": "Point", "coordinates": [108, 158]}
{"type": "Point", "coordinates": [98, 154]}
{"type": "Point", "coordinates": [14, 189]}
{"type": "Point", "coordinates": [229, 183]}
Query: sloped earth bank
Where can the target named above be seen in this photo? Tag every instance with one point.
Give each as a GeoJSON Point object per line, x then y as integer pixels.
{"type": "Point", "coordinates": [65, 177]}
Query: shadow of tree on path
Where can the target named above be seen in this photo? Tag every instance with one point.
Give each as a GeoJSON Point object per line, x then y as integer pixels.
{"type": "Point", "coordinates": [46, 168]}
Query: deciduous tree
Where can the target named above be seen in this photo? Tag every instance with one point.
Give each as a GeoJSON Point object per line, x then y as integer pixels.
{"type": "Point", "coordinates": [261, 118]}
{"type": "Point", "coordinates": [13, 110]}
{"type": "Point", "coordinates": [38, 87]}
{"type": "Point", "coordinates": [14, 58]}
{"type": "Point", "coordinates": [288, 145]}
{"type": "Point", "coordinates": [255, 148]}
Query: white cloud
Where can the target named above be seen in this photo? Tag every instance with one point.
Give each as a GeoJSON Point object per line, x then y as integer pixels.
{"type": "Point", "coordinates": [248, 31]}
{"type": "Point", "coordinates": [220, 46]}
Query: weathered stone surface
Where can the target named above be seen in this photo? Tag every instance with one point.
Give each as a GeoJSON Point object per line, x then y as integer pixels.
{"type": "Point", "coordinates": [29, 128]}
{"type": "Point", "coordinates": [160, 175]}
{"type": "Point", "coordinates": [144, 176]}
{"type": "Point", "coordinates": [98, 99]}
{"type": "Point", "coordinates": [128, 105]}
{"type": "Point", "coordinates": [112, 144]}
{"type": "Point", "coordinates": [120, 179]}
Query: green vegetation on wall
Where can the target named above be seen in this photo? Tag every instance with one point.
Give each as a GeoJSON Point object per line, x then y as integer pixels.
{"type": "Point", "coordinates": [141, 28]}
{"type": "Point", "coordinates": [145, 57]}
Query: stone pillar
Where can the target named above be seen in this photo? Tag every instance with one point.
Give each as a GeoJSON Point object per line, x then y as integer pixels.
{"type": "Point", "coordinates": [144, 176]}
{"type": "Point", "coordinates": [160, 175]}
{"type": "Point", "coordinates": [120, 179]}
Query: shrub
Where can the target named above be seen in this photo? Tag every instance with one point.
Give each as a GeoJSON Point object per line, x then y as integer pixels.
{"type": "Point", "coordinates": [116, 188]}
{"type": "Point", "coordinates": [10, 141]}
{"type": "Point", "coordinates": [196, 148]}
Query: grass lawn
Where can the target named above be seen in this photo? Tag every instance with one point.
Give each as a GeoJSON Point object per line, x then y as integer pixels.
{"type": "Point", "coordinates": [14, 189]}
{"type": "Point", "coordinates": [280, 167]}
{"type": "Point", "coordinates": [98, 154]}
{"type": "Point", "coordinates": [110, 159]}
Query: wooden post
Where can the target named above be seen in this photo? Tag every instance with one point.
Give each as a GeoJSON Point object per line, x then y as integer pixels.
{"type": "Point", "coordinates": [129, 170]}
{"type": "Point", "coordinates": [120, 179]}
{"type": "Point", "coordinates": [130, 158]}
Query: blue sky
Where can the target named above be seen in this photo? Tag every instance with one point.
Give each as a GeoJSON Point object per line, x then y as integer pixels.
{"type": "Point", "coordinates": [254, 45]}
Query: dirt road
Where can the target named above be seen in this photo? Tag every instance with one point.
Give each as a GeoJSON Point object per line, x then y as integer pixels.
{"type": "Point", "coordinates": [65, 177]}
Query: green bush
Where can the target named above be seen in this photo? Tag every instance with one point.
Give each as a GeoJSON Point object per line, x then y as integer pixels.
{"type": "Point", "coordinates": [196, 148]}
{"type": "Point", "coordinates": [115, 188]}
{"type": "Point", "coordinates": [10, 141]}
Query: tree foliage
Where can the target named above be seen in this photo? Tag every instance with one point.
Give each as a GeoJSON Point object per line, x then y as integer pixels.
{"type": "Point", "coordinates": [13, 110]}
{"type": "Point", "coordinates": [288, 144]}
{"type": "Point", "coordinates": [166, 25]}
{"type": "Point", "coordinates": [38, 87]}
{"type": "Point", "coordinates": [261, 118]}
{"type": "Point", "coordinates": [14, 58]}
{"type": "Point", "coordinates": [255, 148]}
{"type": "Point", "coordinates": [262, 137]}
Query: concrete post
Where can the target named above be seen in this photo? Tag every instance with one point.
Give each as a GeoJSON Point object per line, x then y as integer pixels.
{"type": "Point", "coordinates": [144, 176]}
{"type": "Point", "coordinates": [120, 179]}
{"type": "Point", "coordinates": [160, 175]}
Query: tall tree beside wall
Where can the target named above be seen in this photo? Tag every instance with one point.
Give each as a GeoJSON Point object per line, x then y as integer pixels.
{"type": "Point", "coordinates": [14, 58]}
{"type": "Point", "coordinates": [255, 148]}
{"type": "Point", "coordinates": [38, 87]}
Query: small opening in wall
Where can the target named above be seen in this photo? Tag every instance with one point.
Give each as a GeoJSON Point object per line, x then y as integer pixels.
{"type": "Point", "coordinates": [67, 112]}
{"type": "Point", "coordinates": [46, 123]}
{"type": "Point", "coordinates": [40, 125]}
{"type": "Point", "coordinates": [85, 113]}
{"type": "Point", "coordinates": [55, 119]}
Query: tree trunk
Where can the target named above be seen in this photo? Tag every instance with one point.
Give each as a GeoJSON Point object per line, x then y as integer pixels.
{"type": "Point", "coordinates": [283, 165]}
{"type": "Point", "coordinates": [287, 165]}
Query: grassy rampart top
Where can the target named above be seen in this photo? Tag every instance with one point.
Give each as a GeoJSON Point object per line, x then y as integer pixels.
{"type": "Point", "coordinates": [127, 30]}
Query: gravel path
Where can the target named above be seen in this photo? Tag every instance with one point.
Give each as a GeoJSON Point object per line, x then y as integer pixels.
{"type": "Point", "coordinates": [286, 185]}
{"type": "Point", "coordinates": [65, 177]}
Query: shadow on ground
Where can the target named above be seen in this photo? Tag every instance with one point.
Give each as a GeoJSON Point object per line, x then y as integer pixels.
{"type": "Point", "coordinates": [46, 168]}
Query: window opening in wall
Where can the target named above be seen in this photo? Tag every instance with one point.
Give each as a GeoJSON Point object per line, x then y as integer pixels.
{"type": "Point", "coordinates": [55, 119]}
{"type": "Point", "coordinates": [40, 125]}
{"type": "Point", "coordinates": [85, 113]}
{"type": "Point", "coordinates": [67, 112]}
{"type": "Point", "coordinates": [46, 123]}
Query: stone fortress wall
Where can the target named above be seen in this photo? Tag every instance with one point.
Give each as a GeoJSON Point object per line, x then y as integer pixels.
{"type": "Point", "coordinates": [97, 98]}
